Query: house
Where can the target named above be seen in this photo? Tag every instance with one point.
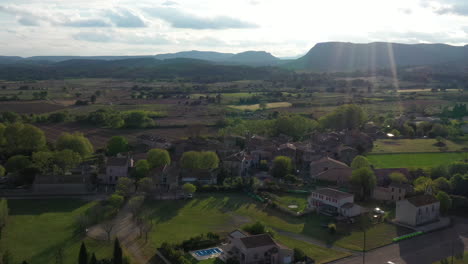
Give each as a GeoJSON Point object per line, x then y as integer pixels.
{"type": "Point", "coordinates": [166, 178]}
{"type": "Point", "coordinates": [393, 192]}
{"type": "Point", "coordinates": [418, 210]}
{"type": "Point", "coordinates": [345, 154]}
{"type": "Point", "coordinates": [333, 202]}
{"type": "Point", "coordinates": [199, 176]}
{"type": "Point", "coordinates": [337, 170]}
{"type": "Point", "coordinates": [256, 249]}
{"type": "Point", "coordinates": [288, 150]}
{"type": "Point", "coordinates": [116, 167]}
{"type": "Point", "coordinates": [383, 175]}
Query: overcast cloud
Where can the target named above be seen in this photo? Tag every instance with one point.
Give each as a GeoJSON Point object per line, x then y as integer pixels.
{"type": "Point", "coordinates": [284, 28]}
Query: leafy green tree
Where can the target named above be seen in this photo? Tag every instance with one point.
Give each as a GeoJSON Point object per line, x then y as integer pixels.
{"type": "Point", "coordinates": [282, 166]}
{"type": "Point", "coordinates": [438, 130]}
{"type": "Point", "coordinates": [115, 200]}
{"type": "Point", "coordinates": [439, 171]}
{"type": "Point", "coordinates": [2, 171]}
{"type": "Point", "coordinates": [208, 160]}
{"type": "Point", "coordinates": [43, 161]}
{"type": "Point", "coordinates": [124, 186]}
{"type": "Point", "coordinates": [145, 185]}
{"type": "Point", "coordinates": [118, 256]}
{"type": "Point", "coordinates": [76, 142]}
{"type": "Point", "coordinates": [364, 178]}
{"type": "Point", "coordinates": [398, 178]}
{"type": "Point", "coordinates": [421, 184]}
{"type": "Point", "coordinates": [24, 138]}
{"type": "Point", "coordinates": [360, 162]}
{"type": "Point", "coordinates": [117, 144]}
{"type": "Point", "coordinates": [256, 228]}
{"type": "Point", "coordinates": [135, 204]}
{"type": "Point", "coordinates": [65, 160]}
{"type": "Point", "coordinates": [459, 184]}
{"type": "Point", "coordinates": [445, 201]}
{"type": "Point", "coordinates": [395, 132]}
{"type": "Point", "coordinates": [4, 211]}
{"type": "Point", "coordinates": [190, 160]}
{"type": "Point", "coordinates": [158, 158]}
{"type": "Point", "coordinates": [344, 117]}
{"type": "Point", "coordinates": [83, 256]}
{"type": "Point", "coordinates": [442, 184]}
{"type": "Point", "coordinates": [189, 188]}
{"type": "Point", "coordinates": [295, 126]}
{"type": "Point", "coordinates": [142, 168]}
{"type": "Point", "coordinates": [299, 255]}
{"type": "Point", "coordinates": [17, 163]}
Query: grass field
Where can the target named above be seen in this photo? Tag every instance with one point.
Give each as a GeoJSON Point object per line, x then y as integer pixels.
{"type": "Point", "coordinates": [254, 107]}
{"type": "Point", "coordinates": [36, 229]}
{"type": "Point", "coordinates": [456, 260]}
{"type": "Point", "coordinates": [414, 145]}
{"type": "Point", "coordinates": [179, 220]}
{"type": "Point", "coordinates": [293, 199]}
{"type": "Point", "coordinates": [414, 160]}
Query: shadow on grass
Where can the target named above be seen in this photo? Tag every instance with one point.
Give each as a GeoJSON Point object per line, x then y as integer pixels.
{"type": "Point", "coordinates": [41, 206]}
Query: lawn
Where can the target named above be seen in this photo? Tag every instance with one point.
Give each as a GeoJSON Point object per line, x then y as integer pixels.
{"type": "Point", "coordinates": [414, 145]}
{"type": "Point", "coordinates": [222, 213]}
{"type": "Point", "coordinates": [254, 107]}
{"type": "Point", "coordinates": [36, 229]}
{"type": "Point", "coordinates": [300, 200]}
{"type": "Point", "coordinates": [414, 160]}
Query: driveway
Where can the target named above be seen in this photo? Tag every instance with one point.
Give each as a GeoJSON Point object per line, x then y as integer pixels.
{"type": "Point", "coordinates": [425, 249]}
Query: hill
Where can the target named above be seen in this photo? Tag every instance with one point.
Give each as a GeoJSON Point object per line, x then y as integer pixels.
{"type": "Point", "coordinates": [344, 56]}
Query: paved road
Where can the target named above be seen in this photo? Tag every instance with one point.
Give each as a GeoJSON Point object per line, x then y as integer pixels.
{"type": "Point", "coordinates": [425, 249]}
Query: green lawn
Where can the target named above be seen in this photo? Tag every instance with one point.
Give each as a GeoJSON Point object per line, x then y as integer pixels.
{"type": "Point", "coordinates": [414, 160]}
{"type": "Point", "coordinates": [414, 145]}
{"type": "Point", "coordinates": [36, 229]}
{"type": "Point", "coordinates": [179, 220]}
{"type": "Point", "coordinates": [319, 254]}
{"type": "Point", "coordinates": [456, 260]}
{"type": "Point", "coordinates": [293, 199]}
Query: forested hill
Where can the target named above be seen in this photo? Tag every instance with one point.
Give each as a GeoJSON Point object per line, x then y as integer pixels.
{"type": "Point", "coordinates": [145, 68]}
{"type": "Point", "coordinates": [346, 57]}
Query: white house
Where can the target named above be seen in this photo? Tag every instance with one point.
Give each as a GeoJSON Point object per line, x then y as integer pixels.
{"type": "Point", "coordinates": [334, 202]}
{"type": "Point", "coordinates": [418, 210]}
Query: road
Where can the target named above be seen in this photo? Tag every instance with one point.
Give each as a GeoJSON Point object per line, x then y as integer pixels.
{"type": "Point", "coordinates": [425, 249]}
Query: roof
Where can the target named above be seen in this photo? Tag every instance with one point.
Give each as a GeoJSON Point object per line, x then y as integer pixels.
{"type": "Point", "coordinates": [257, 241]}
{"type": "Point", "coordinates": [422, 200]}
{"type": "Point", "coordinates": [347, 205]}
{"type": "Point", "coordinates": [287, 146]}
{"type": "Point", "coordinates": [332, 193]}
{"type": "Point", "coordinates": [335, 175]}
{"type": "Point", "coordinates": [237, 234]}
{"type": "Point", "coordinates": [120, 162]}
{"type": "Point", "coordinates": [327, 160]}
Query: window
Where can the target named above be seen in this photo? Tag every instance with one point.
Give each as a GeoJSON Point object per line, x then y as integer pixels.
{"type": "Point", "coordinates": [393, 198]}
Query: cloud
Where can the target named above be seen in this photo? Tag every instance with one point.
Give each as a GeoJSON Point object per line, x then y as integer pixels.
{"type": "Point", "coordinates": [406, 11]}
{"type": "Point", "coordinates": [125, 18]}
{"type": "Point", "coordinates": [28, 21]}
{"type": "Point", "coordinates": [181, 19]}
{"type": "Point", "coordinates": [93, 37]}
{"type": "Point", "coordinates": [126, 38]}
{"type": "Point", "coordinates": [169, 3]}
{"type": "Point", "coordinates": [86, 23]}
{"type": "Point", "coordinates": [443, 7]}
{"type": "Point", "coordinates": [417, 37]}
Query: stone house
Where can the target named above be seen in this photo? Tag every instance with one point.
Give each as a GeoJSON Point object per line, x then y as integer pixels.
{"type": "Point", "coordinates": [256, 249]}
{"type": "Point", "coordinates": [394, 192]}
{"type": "Point", "coordinates": [418, 210]}
{"type": "Point", "coordinates": [199, 176]}
{"type": "Point", "coordinates": [288, 150]}
{"type": "Point", "coordinates": [116, 167]}
{"type": "Point", "coordinates": [166, 178]}
{"type": "Point", "coordinates": [383, 175]}
{"type": "Point", "coordinates": [334, 202]}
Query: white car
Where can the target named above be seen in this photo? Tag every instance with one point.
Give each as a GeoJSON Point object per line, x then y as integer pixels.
{"type": "Point", "coordinates": [390, 262]}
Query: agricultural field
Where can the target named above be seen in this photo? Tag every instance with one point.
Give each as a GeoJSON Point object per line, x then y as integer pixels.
{"type": "Point", "coordinates": [37, 229]}
{"type": "Point", "coordinates": [254, 107]}
{"type": "Point", "coordinates": [415, 160]}
{"type": "Point", "coordinates": [415, 145]}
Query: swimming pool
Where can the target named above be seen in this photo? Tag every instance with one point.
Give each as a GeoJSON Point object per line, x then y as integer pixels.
{"type": "Point", "coordinates": [208, 252]}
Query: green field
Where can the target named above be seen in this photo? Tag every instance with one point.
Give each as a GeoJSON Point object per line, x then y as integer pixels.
{"type": "Point", "coordinates": [415, 145]}
{"type": "Point", "coordinates": [456, 260]}
{"type": "Point", "coordinates": [414, 160]}
{"type": "Point", "coordinates": [254, 107]}
{"type": "Point", "coordinates": [36, 229]}
{"type": "Point", "coordinates": [293, 199]}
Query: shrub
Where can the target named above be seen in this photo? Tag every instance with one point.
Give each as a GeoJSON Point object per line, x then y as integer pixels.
{"type": "Point", "coordinates": [332, 228]}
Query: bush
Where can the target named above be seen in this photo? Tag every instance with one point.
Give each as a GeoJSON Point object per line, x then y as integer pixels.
{"type": "Point", "coordinates": [299, 255]}
{"type": "Point", "coordinates": [332, 228]}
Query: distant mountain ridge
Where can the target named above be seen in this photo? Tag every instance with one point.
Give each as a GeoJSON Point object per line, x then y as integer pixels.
{"type": "Point", "coordinates": [345, 56]}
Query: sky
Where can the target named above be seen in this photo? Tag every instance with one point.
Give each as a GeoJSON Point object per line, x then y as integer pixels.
{"type": "Point", "coordinates": [285, 28]}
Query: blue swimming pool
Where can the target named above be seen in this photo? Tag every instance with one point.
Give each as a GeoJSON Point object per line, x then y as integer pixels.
{"type": "Point", "coordinates": [208, 252]}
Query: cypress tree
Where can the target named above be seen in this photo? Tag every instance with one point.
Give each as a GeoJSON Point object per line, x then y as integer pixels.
{"type": "Point", "coordinates": [118, 258]}
{"type": "Point", "coordinates": [93, 259]}
{"type": "Point", "coordinates": [83, 257]}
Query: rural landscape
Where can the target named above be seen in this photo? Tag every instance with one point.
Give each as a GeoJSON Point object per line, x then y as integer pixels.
{"type": "Point", "coordinates": [353, 152]}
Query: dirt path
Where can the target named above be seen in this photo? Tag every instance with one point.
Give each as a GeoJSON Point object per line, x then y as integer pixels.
{"type": "Point", "coordinates": [127, 232]}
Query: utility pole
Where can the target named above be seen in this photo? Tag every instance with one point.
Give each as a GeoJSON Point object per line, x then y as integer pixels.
{"type": "Point", "coordinates": [364, 249]}
{"type": "Point", "coordinates": [453, 250]}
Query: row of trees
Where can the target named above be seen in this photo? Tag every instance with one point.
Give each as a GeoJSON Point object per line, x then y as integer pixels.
{"type": "Point", "coordinates": [85, 257]}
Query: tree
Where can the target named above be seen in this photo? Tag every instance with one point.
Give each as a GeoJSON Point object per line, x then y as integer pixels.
{"type": "Point", "coordinates": [445, 201]}
{"type": "Point", "coordinates": [43, 161]}
{"type": "Point", "coordinates": [145, 185]}
{"type": "Point", "coordinates": [422, 184]}
{"type": "Point", "coordinates": [116, 144]}
{"type": "Point", "coordinates": [442, 184]}
{"type": "Point", "coordinates": [299, 255]}
{"type": "Point", "coordinates": [190, 160]}
{"type": "Point", "coordinates": [395, 132]}
{"type": "Point", "coordinates": [360, 162]}
{"type": "Point", "coordinates": [158, 158]}
{"type": "Point", "coordinates": [17, 163]}
{"type": "Point", "coordinates": [93, 259]}
{"type": "Point", "coordinates": [76, 142]}
{"type": "Point", "coordinates": [365, 179]}
{"type": "Point", "coordinates": [282, 166]}
{"type": "Point", "coordinates": [142, 168]}
{"type": "Point", "coordinates": [118, 257]}
{"type": "Point", "coordinates": [295, 126]}
{"type": "Point", "coordinates": [115, 200]}
{"type": "Point", "coordinates": [439, 171]}
{"type": "Point", "coordinates": [459, 184]}
{"type": "Point", "coordinates": [23, 138]}
{"type": "Point", "coordinates": [2, 171]}
{"type": "Point", "coordinates": [344, 117]}
{"type": "Point", "coordinates": [398, 178]}
{"type": "Point", "coordinates": [65, 160]}
{"type": "Point", "coordinates": [208, 160]}
{"type": "Point", "coordinates": [124, 186]}
{"type": "Point", "coordinates": [189, 188]}
{"type": "Point", "coordinates": [108, 227]}
{"type": "Point", "coordinates": [83, 256]}
{"type": "Point", "coordinates": [135, 204]}
{"type": "Point", "coordinates": [256, 228]}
